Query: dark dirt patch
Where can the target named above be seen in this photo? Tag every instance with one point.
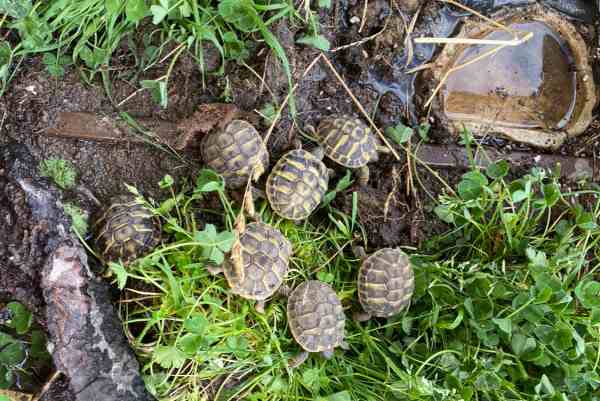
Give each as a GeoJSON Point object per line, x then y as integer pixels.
{"type": "Point", "coordinates": [35, 100]}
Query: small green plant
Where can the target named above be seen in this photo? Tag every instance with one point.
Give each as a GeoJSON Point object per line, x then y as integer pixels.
{"type": "Point", "coordinates": [505, 304]}
{"type": "Point", "coordinates": [6, 65]}
{"type": "Point", "coordinates": [401, 133]}
{"type": "Point", "coordinates": [22, 346]}
{"type": "Point", "coordinates": [313, 37]}
{"type": "Point", "coordinates": [343, 184]}
{"type": "Point", "coordinates": [269, 113]}
{"type": "Point", "coordinates": [15, 8]}
{"type": "Point", "coordinates": [79, 222]}
{"type": "Point", "coordinates": [56, 64]}
{"type": "Point", "coordinates": [86, 33]}
{"type": "Point", "coordinates": [60, 171]}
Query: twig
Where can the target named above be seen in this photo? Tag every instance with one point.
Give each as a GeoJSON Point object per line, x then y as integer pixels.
{"type": "Point", "coordinates": [407, 41]}
{"type": "Point", "coordinates": [122, 102]}
{"type": "Point", "coordinates": [261, 79]}
{"type": "Point", "coordinates": [364, 16]}
{"type": "Point", "coordinates": [474, 12]}
{"type": "Point", "coordinates": [340, 249]}
{"type": "Point", "coordinates": [468, 41]}
{"type": "Point", "coordinates": [47, 386]}
{"type": "Point", "coordinates": [359, 105]}
{"type": "Point", "coordinates": [290, 93]}
{"type": "Point", "coordinates": [362, 41]}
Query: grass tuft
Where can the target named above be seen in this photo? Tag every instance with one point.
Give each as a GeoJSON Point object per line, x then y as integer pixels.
{"type": "Point", "coordinates": [60, 171]}
{"type": "Point", "coordinates": [505, 304]}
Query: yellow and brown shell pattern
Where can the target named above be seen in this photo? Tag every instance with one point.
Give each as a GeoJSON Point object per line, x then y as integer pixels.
{"type": "Point", "coordinates": [126, 230]}
{"type": "Point", "coordinates": [297, 184]}
{"type": "Point", "coordinates": [385, 282]}
{"type": "Point", "coordinates": [259, 262]}
{"type": "Point", "coordinates": [316, 317]}
{"type": "Point", "coordinates": [236, 152]}
{"type": "Point", "coordinates": [347, 141]}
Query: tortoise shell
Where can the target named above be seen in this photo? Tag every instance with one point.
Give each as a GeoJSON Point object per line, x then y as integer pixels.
{"type": "Point", "coordinates": [259, 262]}
{"type": "Point", "coordinates": [235, 152]}
{"type": "Point", "coordinates": [126, 230]}
{"type": "Point", "coordinates": [385, 282]}
{"type": "Point", "coordinates": [347, 141]}
{"type": "Point", "coordinates": [297, 184]}
{"type": "Point", "coordinates": [315, 317]}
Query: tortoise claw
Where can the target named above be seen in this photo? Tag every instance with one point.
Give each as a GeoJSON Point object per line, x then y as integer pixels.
{"type": "Point", "coordinates": [318, 152]}
{"type": "Point", "coordinates": [363, 176]}
{"type": "Point", "coordinates": [359, 252]}
{"type": "Point", "coordinates": [213, 269]}
{"type": "Point", "coordinates": [284, 290]}
{"type": "Point", "coordinates": [383, 149]}
{"type": "Point", "coordinates": [327, 354]}
{"type": "Point", "coordinates": [298, 359]}
{"type": "Point", "coordinates": [260, 307]}
{"type": "Point", "coordinates": [361, 316]}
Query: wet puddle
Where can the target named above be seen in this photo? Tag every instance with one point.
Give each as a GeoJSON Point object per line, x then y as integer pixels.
{"type": "Point", "coordinates": [532, 85]}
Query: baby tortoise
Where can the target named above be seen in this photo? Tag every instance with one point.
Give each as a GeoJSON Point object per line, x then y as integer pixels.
{"type": "Point", "coordinates": [385, 283]}
{"type": "Point", "coordinates": [258, 264]}
{"type": "Point", "coordinates": [316, 320]}
{"type": "Point", "coordinates": [126, 230]}
{"type": "Point", "coordinates": [236, 152]}
{"type": "Point", "coordinates": [297, 184]}
{"type": "Point", "coordinates": [348, 141]}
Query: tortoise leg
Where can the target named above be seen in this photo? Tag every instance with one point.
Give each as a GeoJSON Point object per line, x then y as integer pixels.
{"type": "Point", "coordinates": [298, 222]}
{"type": "Point", "coordinates": [361, 316]}
{"type": "Point", "coordinates": [213, 269]}
{"type": "Point", "coordinates": [327, 354]}
{"type": "Point", "coordinates": [310, 129]}
{"type": "Point", "coordinates": [344, 345]}
{"type": "Point", "coordinates": [284, 290]}
{"type": "Point", "coordinates": [330, 172]}
{"type": "Point", "coordinates": [363, 176]}
{"type": "Point", "coordinates": [383, 149]}
{"type": "Point", "coordinates": [82, 189]}
{"type": "Point", "coordinates": [258, 193]}
{"type": "Point", "coordinates": [260, 307]}
{"type": "Point", "coordinates": [298, 359]}
{"type": "Point", "coordinates": [318, 152]}
{"type": "Point", "coordinates": [359, 252]}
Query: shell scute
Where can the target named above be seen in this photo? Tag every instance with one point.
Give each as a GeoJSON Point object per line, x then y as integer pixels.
{"type": "Point", "coordinates": [126, 230]}
{"type": "Point", "coordinates": [347, 141]}
{"type": "Point", "coordinates": [315, 317]}
{"type": "Point", "coordinates": [297, 184]}
{"type": "Point", "coordinates": [385, 282]}
{"type": "Point", "coordinates": [259, 262]}
{"type": "Point", "coordinates": [236, 152]}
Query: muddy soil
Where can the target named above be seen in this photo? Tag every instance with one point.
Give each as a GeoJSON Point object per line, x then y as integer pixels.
{"type": "Point", "coordinates": [393, 207]}
{"type": "Point", "coordinates": [364, 51]}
